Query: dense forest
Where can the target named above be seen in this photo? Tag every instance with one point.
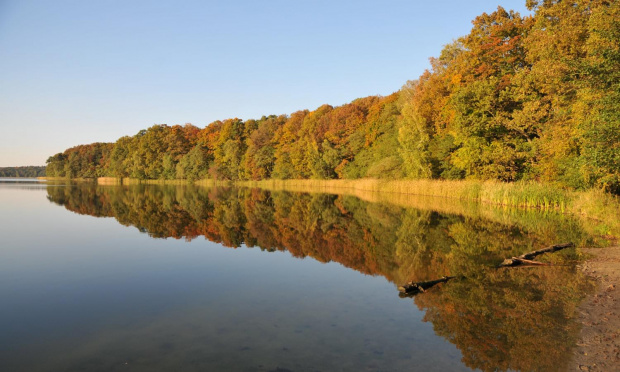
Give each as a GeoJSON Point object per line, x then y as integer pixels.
{"type": "Point", "coordinates": [533, 97]}
{"type": "Point", "coordinates": [28, 171]}
{"type": "Point", "coordinates": [495, 317]}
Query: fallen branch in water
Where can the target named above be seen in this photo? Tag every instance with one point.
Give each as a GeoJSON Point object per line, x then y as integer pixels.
{"type": "Point", "coordinates": [413, 288]}
{"type": "Point", "coordinates": [526, 258]}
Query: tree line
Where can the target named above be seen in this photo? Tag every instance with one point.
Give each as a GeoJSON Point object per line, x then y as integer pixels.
{"type": "Point", "coordinates": [533, 97]}
{"type": "Point", "coordinates": [27, 171]}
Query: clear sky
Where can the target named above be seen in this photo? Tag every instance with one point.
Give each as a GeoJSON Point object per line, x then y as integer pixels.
{"type": "Point", "coordinates": [76, 72]}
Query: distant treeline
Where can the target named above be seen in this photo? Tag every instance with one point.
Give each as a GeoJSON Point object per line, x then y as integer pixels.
{"type": "Point", "coordinates": [532, 97]}
{"type": "Point", "coordinates": [29, 171]}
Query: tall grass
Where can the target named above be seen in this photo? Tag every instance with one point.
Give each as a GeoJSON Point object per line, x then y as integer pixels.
{"type": "Point", "coordinates": [597, 206]}
{"type": "Point", "coordinates": [135, 181]}
{"type": "Point", "coordinates": [520, 194]}
{"type": "Point", "coordinates": [602, 209]}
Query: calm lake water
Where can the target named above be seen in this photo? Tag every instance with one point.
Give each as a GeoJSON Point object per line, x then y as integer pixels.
{"type": "Point", "coordinates": [182, 278]}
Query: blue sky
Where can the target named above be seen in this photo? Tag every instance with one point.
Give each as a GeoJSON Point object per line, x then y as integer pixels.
{"type": "Point", "coordinates": [76, 72]}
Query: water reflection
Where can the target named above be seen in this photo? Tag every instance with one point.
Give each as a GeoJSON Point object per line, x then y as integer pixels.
{"type": "Point", "coordinates": [509, 319]}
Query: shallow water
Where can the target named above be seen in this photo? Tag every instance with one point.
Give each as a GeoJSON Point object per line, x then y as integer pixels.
{"type": "Point", "coordinates": [311, 285]}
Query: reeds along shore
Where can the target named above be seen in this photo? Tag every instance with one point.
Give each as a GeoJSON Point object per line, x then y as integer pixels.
{"type": "Point", "coordinates": [510, 194]}
{"type": "Point", "coordinates": [525, 195]}
{"type": "Point", "coordinates": [592, 204]}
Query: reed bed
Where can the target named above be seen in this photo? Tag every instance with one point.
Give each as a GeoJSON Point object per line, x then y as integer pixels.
{"type": "Point", "coordinates": [135, 181]}
{"type": "Point", "coordinates": [594, 205]}
{"type": "Point", "coordinates": [109, 181]}
{"type": "Point", "coordinates": [597, 206]}
{"type": "Point", "coordinates": [601, 207]}
{"type": "Point", "coordinates": [520, 194]}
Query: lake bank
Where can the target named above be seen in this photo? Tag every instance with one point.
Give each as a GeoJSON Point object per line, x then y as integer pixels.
{"type": "Point", "coordinates": [592, 205]}
{"type": "Point", "coordinates": [599, 346]}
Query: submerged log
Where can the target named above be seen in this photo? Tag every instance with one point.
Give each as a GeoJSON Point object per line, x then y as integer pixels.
{"type": "Point", "coordinates": [413, 288]}
{"type": "Point", "coordinates": [526, 258]}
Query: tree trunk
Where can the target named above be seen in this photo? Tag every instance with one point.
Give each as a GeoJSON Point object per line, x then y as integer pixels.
{"type": "Point", "coordinates": [526, 258]}
{"type": "Point", "coordinates": [413, 288]}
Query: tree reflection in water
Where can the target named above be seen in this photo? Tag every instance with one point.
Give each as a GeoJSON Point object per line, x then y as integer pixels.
{"type": "Point", "coordinates": [500, 319]}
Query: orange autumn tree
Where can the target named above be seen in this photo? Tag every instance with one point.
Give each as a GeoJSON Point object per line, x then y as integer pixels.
{"type": "Point", "coordinates": [530, 97]}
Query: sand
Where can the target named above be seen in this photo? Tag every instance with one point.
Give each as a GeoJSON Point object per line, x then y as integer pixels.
{"type": "Point", "coordinates": [598, 348]}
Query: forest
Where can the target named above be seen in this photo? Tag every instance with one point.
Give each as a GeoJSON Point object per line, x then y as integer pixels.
{"type": "Point", "coordinates": [520, 98]}
{"type": "Point", "coordinates": [27, 171]}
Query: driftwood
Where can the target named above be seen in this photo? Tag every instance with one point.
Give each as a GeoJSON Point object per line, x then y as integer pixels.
{"type": "Point", "coordinates": [413, 288]}
{"type": "Point", "coordinates": [526, 258]}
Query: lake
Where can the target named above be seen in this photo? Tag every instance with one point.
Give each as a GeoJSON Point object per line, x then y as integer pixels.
{"type": "Point", "coordinates": [186, 278]}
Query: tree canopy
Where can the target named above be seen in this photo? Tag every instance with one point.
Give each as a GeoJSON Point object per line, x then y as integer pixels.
{"type": "Point", "coordinates": [533, 97]}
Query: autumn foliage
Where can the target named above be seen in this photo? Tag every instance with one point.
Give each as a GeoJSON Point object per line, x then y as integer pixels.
{"type": "Point", "coordinates": [533, 97]}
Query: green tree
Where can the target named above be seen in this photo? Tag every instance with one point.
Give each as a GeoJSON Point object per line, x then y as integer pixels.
{"type": "Point", "coordinates": [194, 165]}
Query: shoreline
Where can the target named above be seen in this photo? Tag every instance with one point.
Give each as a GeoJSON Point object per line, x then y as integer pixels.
{"type": "Point", "coordinates": [599, 208]}
{"type": "Point", "coordinates": [598, 348]}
